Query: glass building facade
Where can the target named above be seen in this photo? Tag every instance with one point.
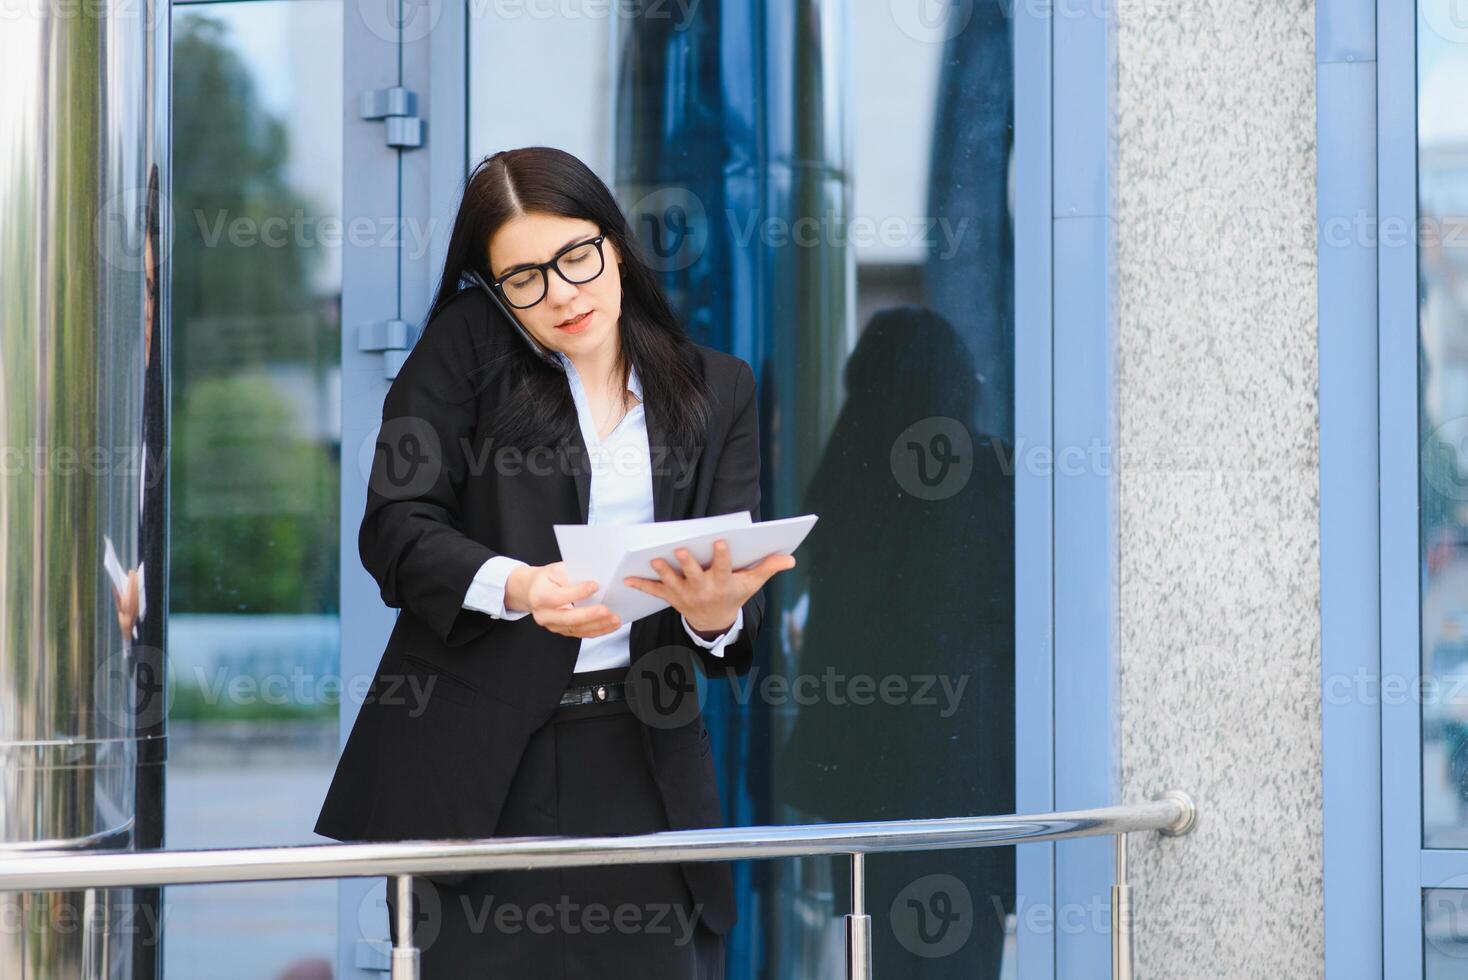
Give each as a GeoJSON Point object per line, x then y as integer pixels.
{"type": "Point", "coordinates": [847, 233]}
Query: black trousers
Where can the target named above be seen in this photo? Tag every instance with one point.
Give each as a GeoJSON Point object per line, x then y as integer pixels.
{"type": "Point", "coordinates": [583, 773]}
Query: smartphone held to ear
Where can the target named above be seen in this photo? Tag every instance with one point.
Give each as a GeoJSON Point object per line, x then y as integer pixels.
{"type": "Point", "coordinates": [540, 350]}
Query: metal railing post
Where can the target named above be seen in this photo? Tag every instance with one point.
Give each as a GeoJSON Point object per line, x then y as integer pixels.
{"type": "Point", "coordinates": [858, 924]}
{"type": "Point", "coordinates": [1121, 917]}
{"type": "Point", "coordinates": [404, 953]}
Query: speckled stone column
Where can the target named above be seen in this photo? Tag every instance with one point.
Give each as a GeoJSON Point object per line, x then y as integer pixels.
{"type": "Point", "coordinates": [1218, 481]}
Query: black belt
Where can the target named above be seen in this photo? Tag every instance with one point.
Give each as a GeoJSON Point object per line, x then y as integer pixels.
{"type": "Point", "coordinates": [594, 693]}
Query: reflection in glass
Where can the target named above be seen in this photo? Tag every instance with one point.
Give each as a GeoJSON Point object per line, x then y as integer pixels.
{"type": "Point", "coordinates": [1443, 419]}
{"type": "Point", "coordinates": [850, 236]}
{"type": "Point", "coordinates": [253, 608]}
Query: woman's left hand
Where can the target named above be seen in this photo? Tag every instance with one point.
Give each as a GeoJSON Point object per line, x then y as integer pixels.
{"type": "Point", "coordinates": [709, 598]}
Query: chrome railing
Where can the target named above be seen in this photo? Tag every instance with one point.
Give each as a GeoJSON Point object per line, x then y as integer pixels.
{"type": "Point", "coordinates": [1173, 813]}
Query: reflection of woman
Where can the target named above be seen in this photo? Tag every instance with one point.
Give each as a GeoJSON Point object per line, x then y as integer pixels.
{"type": "Point", "coordinates": [137, 591]}
{"type": "Point", "coordinates": [940, 567]}
{"type": "Point", "coordinates": [129, 587]}
{"type": "Point", "coordinates": [527, 728]}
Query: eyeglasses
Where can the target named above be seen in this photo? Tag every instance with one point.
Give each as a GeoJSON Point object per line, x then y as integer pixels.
{"type": "Point", "coordinates": [577, 264]}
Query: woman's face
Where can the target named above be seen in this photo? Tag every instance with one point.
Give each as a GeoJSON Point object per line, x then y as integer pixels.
{"type": "Point", "coordinates": [537, 238]}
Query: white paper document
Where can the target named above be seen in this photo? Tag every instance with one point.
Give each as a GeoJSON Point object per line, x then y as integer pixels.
{"type": "Point", "coordinates": [113, 566]}
{"type": "Point", "coordinates": [592, 551]}
{"type": "Point", "coordinates": [608, 553]}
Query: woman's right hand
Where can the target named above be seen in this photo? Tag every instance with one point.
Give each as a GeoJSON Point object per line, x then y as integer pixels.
{"type": "Point", "coordinates": [545, 592]}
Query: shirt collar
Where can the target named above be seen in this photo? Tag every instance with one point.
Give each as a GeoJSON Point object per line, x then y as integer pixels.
{"type": "Point", "coordinates": [634, 383]}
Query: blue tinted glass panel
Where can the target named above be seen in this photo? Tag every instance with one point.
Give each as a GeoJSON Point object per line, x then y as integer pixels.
{"type": "Point", "coordinates": [253, 624]}
{"type": "Point", "coordinates": [824, 189]}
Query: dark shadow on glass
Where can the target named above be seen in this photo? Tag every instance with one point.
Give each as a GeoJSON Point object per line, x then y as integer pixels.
{"type": "Point", "coordinates": [916, 592]}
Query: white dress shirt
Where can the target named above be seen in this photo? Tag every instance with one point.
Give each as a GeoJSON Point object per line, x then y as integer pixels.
{"type": "Point", "coordinates": [621, 493]}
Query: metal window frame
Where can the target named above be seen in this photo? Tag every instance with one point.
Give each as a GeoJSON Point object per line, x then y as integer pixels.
{"type": "Point", "coordinates": [382, 283]}
{"type": "Point", "coordinates": [1350, 560]}
{"type": "Point", "coordinates": [1375, 866]}
{"type": "Point", "coordinates": [1086, 762]}
{"type": "Point", "coordinates": [1034, 505]}
{"type": "Point", "coordinates": [1405, 866]}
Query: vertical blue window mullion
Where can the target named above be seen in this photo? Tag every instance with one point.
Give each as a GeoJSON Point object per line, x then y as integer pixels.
{"type": "Point", "coordinates": [398, 169]}
{"type": "Point", "coordinates": [372, 58]}
{"type": "Point", "coordinates": [1033, 503]}
{"type": "Point", "coordinates": [1401, 730]}
{"type": "Point", "coordinates": [1083, 467]}
{"type": "Point", "coordinates": [1350, 556]}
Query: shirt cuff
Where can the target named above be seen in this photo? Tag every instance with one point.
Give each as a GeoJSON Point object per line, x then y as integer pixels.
{"type": "Point", "coordinates": [487, 591]}
{"type": "Point", "coordinates": [716, 646]}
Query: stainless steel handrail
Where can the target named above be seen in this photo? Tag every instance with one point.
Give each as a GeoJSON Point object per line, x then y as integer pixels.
{"type": "Point", "coordinates": [1173, 813]}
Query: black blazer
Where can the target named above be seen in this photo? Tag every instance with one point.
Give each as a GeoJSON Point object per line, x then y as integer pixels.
{"type": "Point", "coordinates": [440, 502]}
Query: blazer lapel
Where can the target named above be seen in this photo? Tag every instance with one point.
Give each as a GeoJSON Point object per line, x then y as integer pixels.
{"type": "Point", "coordinates": [575, 458]}
{"type": "Point", "coordinates": [667, 477]}
{"type": "Point", "coordinates": [664, 466]}
{"type": "Point", "coordinates": [667, 467]}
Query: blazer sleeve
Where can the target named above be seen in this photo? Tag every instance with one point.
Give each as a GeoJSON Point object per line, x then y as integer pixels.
{"type": "Point", "coordinates": [410, 539]}
{"type": "Point", "coordinates": [736, 487]}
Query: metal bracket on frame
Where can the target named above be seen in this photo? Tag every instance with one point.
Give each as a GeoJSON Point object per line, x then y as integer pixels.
{"type": "Point", "coordinates": [394, 338]}
{"type": "Point", "coordinates": [397, 107]}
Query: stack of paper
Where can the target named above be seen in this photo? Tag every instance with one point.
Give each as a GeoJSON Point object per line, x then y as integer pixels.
{"type": "Point", "coordinates": [608, 553]}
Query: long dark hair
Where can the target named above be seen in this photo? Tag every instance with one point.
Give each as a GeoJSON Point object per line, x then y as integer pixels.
{"type": "Point", "coordinates": [545, 180]}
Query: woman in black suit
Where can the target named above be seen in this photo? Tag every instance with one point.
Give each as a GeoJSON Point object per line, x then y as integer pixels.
{"type": "Point", "coordinates": [558, 387]}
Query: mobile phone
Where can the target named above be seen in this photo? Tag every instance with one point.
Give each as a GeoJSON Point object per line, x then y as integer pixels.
{"type": "Point", "coordinates": [540, 350]}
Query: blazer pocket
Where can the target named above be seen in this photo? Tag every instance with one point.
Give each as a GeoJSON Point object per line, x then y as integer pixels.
{"type": "Point", "coordinates": [678, 743]}
{"type": "Point", "coordinates": [424, 680]}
